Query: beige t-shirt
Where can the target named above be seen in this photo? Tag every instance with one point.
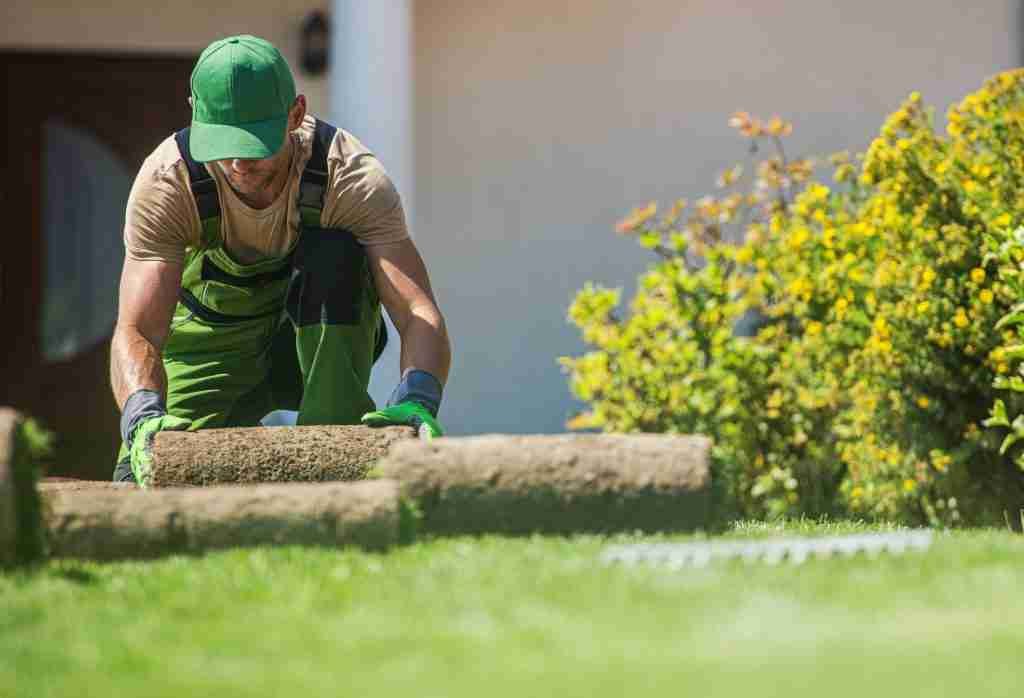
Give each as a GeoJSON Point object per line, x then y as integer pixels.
{"type": "Point", "coordinates": [162, 219]}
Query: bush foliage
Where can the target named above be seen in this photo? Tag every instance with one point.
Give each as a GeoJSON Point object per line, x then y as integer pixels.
{"type": "Point", "coordinates": [854, 347]}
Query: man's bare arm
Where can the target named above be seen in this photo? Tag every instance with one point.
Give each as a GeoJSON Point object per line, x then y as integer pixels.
{"type": "Point", "coordinates": [148, 294]}
{"type": "Point", "coordinates": [404, 289]}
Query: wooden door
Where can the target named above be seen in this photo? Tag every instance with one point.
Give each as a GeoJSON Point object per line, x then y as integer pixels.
{"type": "Point", "coordinates": [123, 105]}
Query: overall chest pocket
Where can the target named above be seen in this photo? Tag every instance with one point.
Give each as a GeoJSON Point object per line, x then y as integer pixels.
{"type": "Point", "coordinates": [221, 291]}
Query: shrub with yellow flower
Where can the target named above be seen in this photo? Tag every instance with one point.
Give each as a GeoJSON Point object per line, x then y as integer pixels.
{"type": "Point", "coordinates": [858, 353]}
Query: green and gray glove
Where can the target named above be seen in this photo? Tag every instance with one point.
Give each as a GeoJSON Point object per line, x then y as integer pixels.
{"type": "Point", "coordinates": [143, 416]}
{"type": "Point", "coordinates": [414, 402]}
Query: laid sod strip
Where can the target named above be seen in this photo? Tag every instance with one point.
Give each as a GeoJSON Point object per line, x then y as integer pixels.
{"type": "Point", "coordinates": [21, 533]}
{"type": "Point", "coordinates": [107, 525]}
{"type": "Point", "coordinates": [270, 454]}
{"type": "Point", "coordinates": [555, 484]}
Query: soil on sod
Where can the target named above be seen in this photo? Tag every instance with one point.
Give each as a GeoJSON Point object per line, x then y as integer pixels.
{"type": "Point", "coordinates": [61, 484]}
{"type": "Point", "coordinates": [270, 454]}
{"type": "Point", "coordinates": [555, 484]}
{"type": "Point", "coordinates": [107, 524]}
{"type": "Point", "coordinates": [21, 533]}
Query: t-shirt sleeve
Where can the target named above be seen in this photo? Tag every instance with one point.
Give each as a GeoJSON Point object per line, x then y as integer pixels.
{"type": "Point", "coordinates": [362, 199]}
{"type": "Point", "coordinates": [158, 219]}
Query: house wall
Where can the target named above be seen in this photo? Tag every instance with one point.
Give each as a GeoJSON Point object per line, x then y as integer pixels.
{"type": "Point", "coordinates": [539, 124]}
{"type": "Point", "coordinates": [149, 26]}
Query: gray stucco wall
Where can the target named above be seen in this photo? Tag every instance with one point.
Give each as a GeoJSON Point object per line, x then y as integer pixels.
{"type": "Point", "coordinates": [539, 124]}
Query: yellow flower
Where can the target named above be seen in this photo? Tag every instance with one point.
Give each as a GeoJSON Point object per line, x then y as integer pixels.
{"type": "Point", "coordinates": [1002, 368]}
{"type": "Point", "coordinates": [840, 308]}
{"type": "Point", "coordinates": [981, 171]}
{"type": "Point", "coordinates": [798, 238]}
{"type": "Point", "coordinates": [960, 319]}
{"type": "Point", "coordinates": [800, 287]}
{"type": "Point", "coordinates": [977, 275]}
{"type": "Point", "coordinates": [1003, 221]}
{"type": "Point", "coordinates": [814, 328]}
{"type": "Point", "coordinates": [922, 307]}
{"type": "Point", "coordinates": [923, 402]}
{"type": "Point", "coordinates": [828, 237]}
{"type": "Point", "coordinates": [986, 296]}
{"type": "Point", "coordinates": [909, 485]}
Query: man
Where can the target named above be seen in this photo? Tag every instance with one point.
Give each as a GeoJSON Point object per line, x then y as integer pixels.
{"type": "Point", "coordinates": [260, 245]}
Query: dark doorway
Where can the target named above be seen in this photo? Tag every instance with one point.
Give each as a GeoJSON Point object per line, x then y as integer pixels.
{"type": "Point", "coordinates": [78, 128]}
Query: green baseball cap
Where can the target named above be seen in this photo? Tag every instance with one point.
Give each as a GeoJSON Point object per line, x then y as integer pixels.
{"type": "Point", "coordinates": [242, 89]}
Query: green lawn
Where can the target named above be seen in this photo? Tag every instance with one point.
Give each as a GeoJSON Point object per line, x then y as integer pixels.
{"type": "Point", "coordinates": [523, 618]}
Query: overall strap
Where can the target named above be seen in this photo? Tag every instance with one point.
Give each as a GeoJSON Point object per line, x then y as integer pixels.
{"type": "Point", "coordinates": [313, 184]}
{"type": "Point", "coordinates": [204, 188]}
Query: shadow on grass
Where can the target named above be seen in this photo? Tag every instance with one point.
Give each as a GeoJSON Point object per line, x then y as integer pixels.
{"type": "Point", "coordinates": [75, 575]}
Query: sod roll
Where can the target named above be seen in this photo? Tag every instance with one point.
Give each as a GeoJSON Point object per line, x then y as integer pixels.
{"type": "Point", "coordinates": [110, 524]}
{"type": "Point", "coordinates": [8, 516]}
{"type": "Point", "coordinates": [270, 454]}
{"type": "Point", "coordinates": [555, 484]}
{"type": "Point", "coordinates": [21, 533]}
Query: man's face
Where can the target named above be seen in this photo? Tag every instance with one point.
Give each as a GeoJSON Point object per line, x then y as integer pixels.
{"type": "Point", "coordinates": [250, 176]}
{"type": "Point", "coordinates": [255, 178]}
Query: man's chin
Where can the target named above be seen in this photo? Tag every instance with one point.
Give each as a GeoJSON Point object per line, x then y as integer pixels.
{"type": "Point", "coordinates": [248, 187]}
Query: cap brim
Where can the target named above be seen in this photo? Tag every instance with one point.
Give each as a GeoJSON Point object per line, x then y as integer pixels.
{"type": "Point", "coordinates": [254, 141]}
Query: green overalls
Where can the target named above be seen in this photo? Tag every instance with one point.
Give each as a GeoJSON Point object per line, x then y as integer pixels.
{"type": "Point", "coordinates": [299, 332]}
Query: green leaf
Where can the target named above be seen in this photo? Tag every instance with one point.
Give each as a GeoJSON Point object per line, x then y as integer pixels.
{"type": "Point", "coordinates": [1015, 351]}
{"type": "Point", "coordinates": [1010, 440]}
{"type": "Point", "coordinates": [650, 240]}
{"type": "Point", "coordinates": [1019, 460]}
{"type": "Point", "coordinates": [1014, 317]}
{"type": "Point", "coordinates": [998, 416]}
{"type": "Point", "coordinates": [1014, 383]}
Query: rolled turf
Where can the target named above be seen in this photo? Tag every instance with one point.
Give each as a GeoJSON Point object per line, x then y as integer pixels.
{"type": "Point", "coordinates": [555, 484]}
{"type": "Point", "coordinates": [21, 532]}
{"type": "Point", "coordinates": [111, 524]}
{"type": "Point", "coordinates": [8, 516]}
{"type": "Point", "coordinates": [270, 454]}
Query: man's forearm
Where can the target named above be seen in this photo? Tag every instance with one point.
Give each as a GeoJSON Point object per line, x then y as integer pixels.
{"type": "Point", "coordinates": [425, 343]}
{"type": "Point", "coordinates": [135, 364]}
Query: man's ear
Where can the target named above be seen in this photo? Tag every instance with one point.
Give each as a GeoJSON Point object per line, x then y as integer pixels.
{"type": "Point", "coordinates": [297, 113]}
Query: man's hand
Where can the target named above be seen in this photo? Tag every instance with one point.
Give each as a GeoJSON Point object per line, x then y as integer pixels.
{"type": "Point", "coordinates": [141, 449]}
{"type": "Point", "coordinates": [414, 402]}
{"type": "Point", "coordinates": [412, 413]}
{"type": "Point", "coordinates": [144, 414]}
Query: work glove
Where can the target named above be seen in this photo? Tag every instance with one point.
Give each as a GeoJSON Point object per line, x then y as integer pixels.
{"type": "Point", "coordinates": [144, 415]}
{"type": "Point", "coordinates": [414, 402]}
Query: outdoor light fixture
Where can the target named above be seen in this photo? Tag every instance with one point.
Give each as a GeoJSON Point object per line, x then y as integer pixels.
{"type": "Point", "coordinates": [314, 44]}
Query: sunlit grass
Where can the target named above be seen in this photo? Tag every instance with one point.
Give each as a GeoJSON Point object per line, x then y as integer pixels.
{"type": "Point", "coordinates": [520, 617]}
